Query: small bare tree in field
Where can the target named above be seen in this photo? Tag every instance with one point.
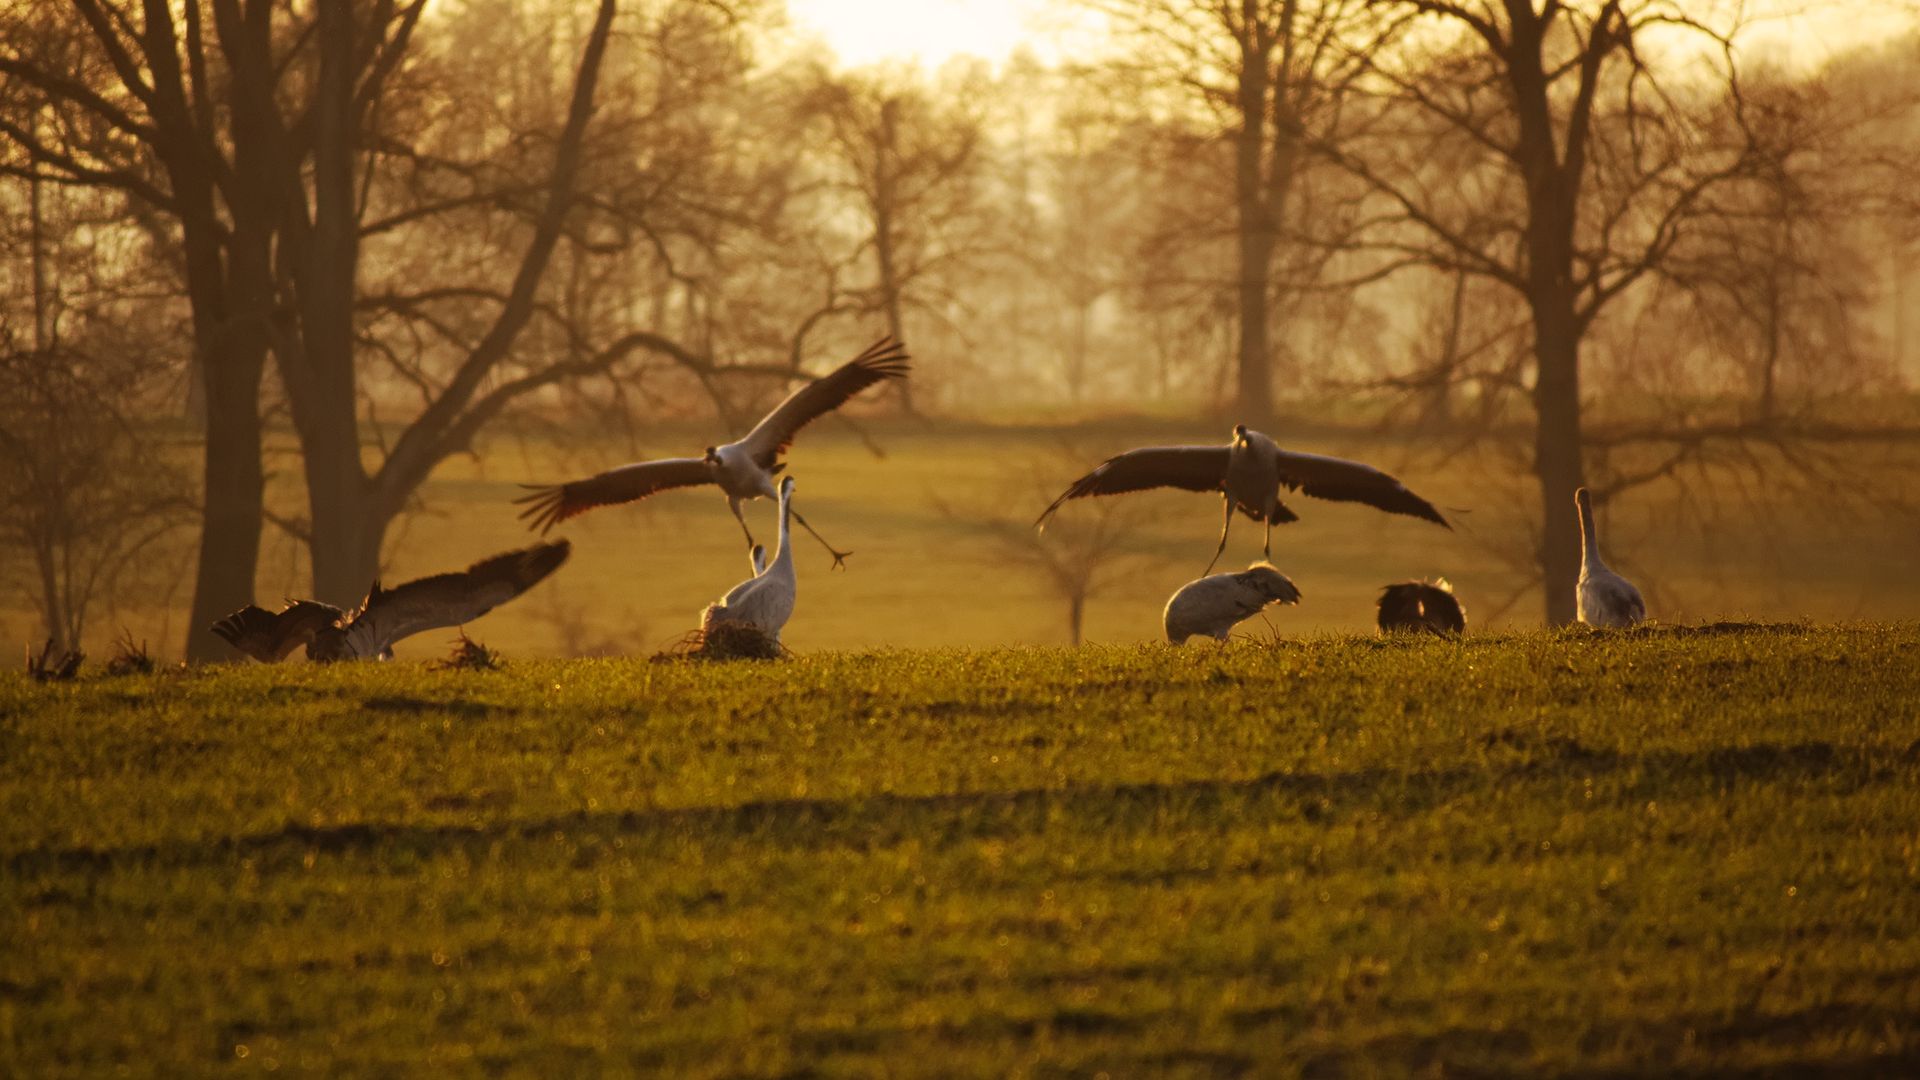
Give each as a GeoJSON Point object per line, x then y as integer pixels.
{"type": "Point", "coordinates": [1081, 554]}
{"type": "Point", "coordinates": [89, 493]}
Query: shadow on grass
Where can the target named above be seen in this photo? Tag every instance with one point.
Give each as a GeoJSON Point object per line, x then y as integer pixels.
{"type": "Point", "coordinates": [1515, 758]}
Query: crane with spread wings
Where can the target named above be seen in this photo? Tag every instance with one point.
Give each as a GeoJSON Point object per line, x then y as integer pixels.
{"type": "Point", "coordinates": [388, 615]}
{"type": "Point", "coordinates": [743, 469]}
{"type": "Point", "coordinates": [1249, 473]}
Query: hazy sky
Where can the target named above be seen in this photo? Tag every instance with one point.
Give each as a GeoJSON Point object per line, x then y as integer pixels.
{"type": "Point", "coordinates": [932, 31]}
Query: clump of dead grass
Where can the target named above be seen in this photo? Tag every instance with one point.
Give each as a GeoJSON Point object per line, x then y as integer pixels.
{"type": "Point", "coordinates": [724, 641]}
{"type": "Point", "coordinates": [469, 655]}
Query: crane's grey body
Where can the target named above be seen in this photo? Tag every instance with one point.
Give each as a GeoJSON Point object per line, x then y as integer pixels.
{"type": "Point", "coordinates": [1604, 597]}
{"type": "Point", "coordinates": [1213, 605]}
{"type": "Point", "coordinates": [764, 601]}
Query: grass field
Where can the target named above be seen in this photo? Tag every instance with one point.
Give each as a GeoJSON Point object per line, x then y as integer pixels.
{"type": "Point", "coordinates": [1661, 851]}
{"type": "Point", "coordinates": [924, 576]}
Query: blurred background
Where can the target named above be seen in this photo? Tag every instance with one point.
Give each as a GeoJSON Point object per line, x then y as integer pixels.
{"type": "Point", "coordinates": [294, 295]}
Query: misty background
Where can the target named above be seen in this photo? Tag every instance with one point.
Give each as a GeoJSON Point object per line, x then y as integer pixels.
{"type": "Point", "coordinates": [293, 295]}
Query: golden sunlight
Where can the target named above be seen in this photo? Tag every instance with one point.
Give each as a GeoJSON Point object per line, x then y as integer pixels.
{"type": "Point", "coordinates": [932, 32]}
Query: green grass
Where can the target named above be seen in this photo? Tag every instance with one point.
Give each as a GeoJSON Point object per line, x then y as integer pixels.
{"type": "Point", "coordinates": [1661, 851]}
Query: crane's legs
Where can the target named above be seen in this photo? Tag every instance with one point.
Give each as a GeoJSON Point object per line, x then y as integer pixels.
{"type": "Point", "coordinates": [1267, 548]}
{"type": "Point", "coordinates": [733, 504]}
{"type": "Point", "coordinates": [839, 557]}
{"type": "Point", "coordinates": [1226, 524]}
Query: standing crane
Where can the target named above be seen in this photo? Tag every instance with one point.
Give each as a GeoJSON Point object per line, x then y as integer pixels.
{"type": "Point", "coordinates": [1249, 473]}
{"type": "Point", "coordinates": [743, 469]}
{"type": "Point", "coordinates": [765, 600]}
{"type": "Point", "coordinates": [1605, 598]}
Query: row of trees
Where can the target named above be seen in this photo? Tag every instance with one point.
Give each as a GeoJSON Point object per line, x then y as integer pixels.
{"type": "Point", "coordinates": [420, 221]}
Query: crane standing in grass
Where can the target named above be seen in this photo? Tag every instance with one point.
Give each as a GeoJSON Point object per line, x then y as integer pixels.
{"type": "Point", "coordinates": [744, 469]}
{"type": "Point", "coordinates": [1249, 473]}
{"type": "Point", "coordinates": [765, 600]}
{"type": "Point", "coordinates": [1215, 604]}
{"type": "Point", "coordinates": [1605, 598]}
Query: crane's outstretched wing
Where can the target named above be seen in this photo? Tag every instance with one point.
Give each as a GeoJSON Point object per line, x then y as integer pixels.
{"type": "Point", "coordinates": [549, 506]}
{"type": "Point", "coordinates": [1349, 481]}
{"type": "Point", "coordinates": [268, 636]}
{"type": "Point", "coordinates": [389, 615]}
{"type": "Point", "coordinates": [1193, 468]}
{"type": "Point", "coordinates": [884, 359]}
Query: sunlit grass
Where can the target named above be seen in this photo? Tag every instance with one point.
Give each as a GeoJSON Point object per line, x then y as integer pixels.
{"type": "Point", "coordinates": [1650, 851]}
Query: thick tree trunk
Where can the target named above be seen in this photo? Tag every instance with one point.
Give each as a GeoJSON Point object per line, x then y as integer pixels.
{"type": "Point", "coordinates": [345, 543]}
{"type": "Point", "coordinates": [346, 535]}
{"type": "Point", "coordinates": [1557, 444]}
{"type": "Point", "coordinates": [233, 486]}
{"type": "Point", "coordinates": [1253, 384]}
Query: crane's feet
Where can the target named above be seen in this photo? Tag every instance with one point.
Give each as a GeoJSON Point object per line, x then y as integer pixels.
{"type": "Point", "coordinates": [839, 558]}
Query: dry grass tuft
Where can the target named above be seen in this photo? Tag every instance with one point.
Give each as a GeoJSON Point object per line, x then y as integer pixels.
{"type": "Point", "coordinates": [129, 658]}
{"type": "Point", "coordinates": [469, 655]}
{"type": "Point", "coordinates": [47, 667]}
{"type": "Point", "coordinates": [724, 641]}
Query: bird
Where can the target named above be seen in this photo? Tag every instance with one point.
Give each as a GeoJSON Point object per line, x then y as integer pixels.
{"type": "Point", "coordinates": [1249, 472]}
{"type": "Point", "coordinates": [1605, 598]}
{"type": "Point", "coordinates": [388, 615]}
{"type": "Point", "coordinates": [744, 469]}
{"type": "Point", "coordinates": [1421, 605]}
{"type": "Point", "coordinates": [765, 600]}
{"type": "Point", "coordinates": [1213, 605]}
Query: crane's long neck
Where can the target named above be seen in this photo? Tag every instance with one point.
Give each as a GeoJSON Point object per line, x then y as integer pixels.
{"type": "Point", "coordinates": [1589, 540]}
{"type": "Point", "coordinates": [783, 553]}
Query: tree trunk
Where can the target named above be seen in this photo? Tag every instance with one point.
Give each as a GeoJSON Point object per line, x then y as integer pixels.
{"type": "Point", "coordinates": [1253, 397]}
{"type": "Point", "coordinates": [1076, 616]}
{"type": "Point", "coordinates": [885, 149]}
{"type": "Point", "coordinates": [233, 486]}
{"type": "Point", "coordinates": [1557, 443]}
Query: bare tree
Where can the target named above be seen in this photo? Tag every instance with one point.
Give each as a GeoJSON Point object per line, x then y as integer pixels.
{"type": "Point", "coordinates": [279, 143]}
{"type": "Point", "coordinates": [1549, 149]}
{"type": "Point", "coordinates": [906, 161]}
{"type": "Point", "coordinates": [89, 493]}
{"type": "Point", "coordinates": [1079, 556]}
{"type": "Point", "coordinates": [1581, 159]}
{"type": "Point", "coordinates": [1276, 77]}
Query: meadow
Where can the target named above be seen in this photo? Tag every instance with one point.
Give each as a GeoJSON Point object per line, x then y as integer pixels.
{"type": "Point", "coordinates": [936, 516]}
{"type": "Point", "coordinates": [1670, 850]}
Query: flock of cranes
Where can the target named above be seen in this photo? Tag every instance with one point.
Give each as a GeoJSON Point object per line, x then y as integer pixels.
{"type": "Point", "coordinates": [1249, 473]}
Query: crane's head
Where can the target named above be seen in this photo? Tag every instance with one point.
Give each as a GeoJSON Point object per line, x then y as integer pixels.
{"type": "Point", "coordinates": [786, 487]}
{"type": "Point", "coordinates": [1583, 500]}
{"type": "Point", "coordinates": [1239, 433]}
{"type": "Point", "coordinates": [1271, 583]}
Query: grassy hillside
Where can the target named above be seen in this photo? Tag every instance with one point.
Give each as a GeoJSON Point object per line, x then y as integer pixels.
{"type": "Point", "coordinates": [1672, 851]}
{"type": "Point", "coordinates": [926, 573]}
